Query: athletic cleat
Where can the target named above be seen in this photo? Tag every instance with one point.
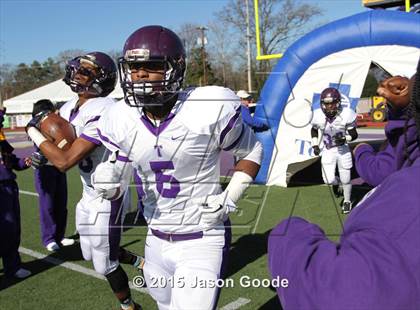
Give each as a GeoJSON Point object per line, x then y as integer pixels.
{"type": "Point", "coordinates": [139, 264]}
{"type": "Point", "coordinates": [67, 242]}
{"type": "Point", "coordinates": [22, 273]}
{"type": "Point", "coordinates": [52, 246]}
{"type": "Point", "coordinates": [346, 207]}
{"type": "Point", "coordinates": [337, 190]}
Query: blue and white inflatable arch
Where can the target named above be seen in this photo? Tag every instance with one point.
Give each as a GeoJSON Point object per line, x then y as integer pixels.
{"type": "Point", "coordinates": [337, 54]}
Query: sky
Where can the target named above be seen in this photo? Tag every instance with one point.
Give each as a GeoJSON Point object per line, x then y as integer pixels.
{"type": "Point", "coordinates": [35, 30]}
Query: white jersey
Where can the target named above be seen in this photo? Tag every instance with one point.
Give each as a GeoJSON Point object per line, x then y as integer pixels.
{"type": "Point", "coordinates": [344, 120]}
{"type": "Point", "coordinates": [85, 120]}
{"type": "Point", "coordinates": [178, 160]}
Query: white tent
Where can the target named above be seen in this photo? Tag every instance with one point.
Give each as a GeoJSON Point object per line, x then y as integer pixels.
{"type": "Point", "coordinates": [56, 91]}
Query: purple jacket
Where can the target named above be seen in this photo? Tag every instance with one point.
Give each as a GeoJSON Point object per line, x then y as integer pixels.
{"type": "Point", "coordinates": [373, 167]}
{"type": "Point", "coordinates": [9, 161]}
{"type": "Point", "coordinates": [376, 265]}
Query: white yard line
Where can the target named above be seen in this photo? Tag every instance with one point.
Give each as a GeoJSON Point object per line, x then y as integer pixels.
{"type": "Point", "coordinates": [72, 266]}
{"type": "Point", "coordinates": [28, 193]}
{"type": "Point", "coordinates": [260, 211]}
{"type": "Point", "coordinates": [236, 304]}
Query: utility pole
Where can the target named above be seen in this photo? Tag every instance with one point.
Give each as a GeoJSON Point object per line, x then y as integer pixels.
{"type": "Point", "coordinates": [203, 53]}
{"type": "Point", "coordinates": [248, 43]}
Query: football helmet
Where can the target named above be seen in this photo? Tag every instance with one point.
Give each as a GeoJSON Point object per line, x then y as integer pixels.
{"type": "Point", "coordinates": [101, 83]}
{"type": "Point", "coordinates": [330, 102]}
{"type": "Point", "coordinates": [153, 45]}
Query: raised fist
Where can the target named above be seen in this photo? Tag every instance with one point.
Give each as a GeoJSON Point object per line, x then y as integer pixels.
{"type": "Point", "coordinates": [396, 91]}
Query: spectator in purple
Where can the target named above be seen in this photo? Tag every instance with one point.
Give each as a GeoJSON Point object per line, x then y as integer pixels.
{"type": "Point", "coordinates": [10, 208]}
{"type": "Point", "coordinates": [401, 147]}
{"type": "Point", "coordinates": [51, 185]}
{"type": "Point", "coordinates": [376, 263]}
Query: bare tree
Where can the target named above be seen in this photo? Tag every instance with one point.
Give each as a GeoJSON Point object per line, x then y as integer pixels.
{"type": "Point", "coordinates": [221, 55]}
{"type": "Point", "coordinates": [7, 72]}
{"type": "Point", "coordinates": [280, 22]}
{"type": "Point", "coordinates": [66, 55]}
{"type": "Point", "coordinates": [189, 34]}
{"type": "Point", "coordinates": [115, 55]}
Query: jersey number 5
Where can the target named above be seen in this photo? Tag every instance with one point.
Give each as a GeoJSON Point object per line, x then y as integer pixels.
{"type": "Point", "coordinates": [161, 179]}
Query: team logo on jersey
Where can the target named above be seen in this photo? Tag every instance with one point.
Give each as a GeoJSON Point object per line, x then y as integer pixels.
{"type": "Point", "coordinates": [176, 137]}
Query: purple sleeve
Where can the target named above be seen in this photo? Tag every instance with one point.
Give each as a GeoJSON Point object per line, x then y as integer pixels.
{"type": "Point", "coordinates": [90, 139]}
{"type": "Point", "coordinates": [18, 163]}
{"type": "Point", "coordinates": [324, 275]}
{"type": "Point", "coordinates": [373, 167]}
{"type": "Point", "coordinates": [375, 265]}
{"type": "Point", "coordinates": [21, 164]}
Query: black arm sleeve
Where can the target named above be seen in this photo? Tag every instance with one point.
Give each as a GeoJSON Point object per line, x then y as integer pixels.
{"type": "Point", "coordinates": [314, 132]}
{"type": "Point", "coordinates": [353, 133]}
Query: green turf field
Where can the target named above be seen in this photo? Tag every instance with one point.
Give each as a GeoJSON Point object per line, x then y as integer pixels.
{"type": "Point", "coordinates": [57, 283]}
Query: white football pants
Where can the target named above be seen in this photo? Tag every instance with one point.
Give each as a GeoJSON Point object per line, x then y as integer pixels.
{"type": "Point", "coordinates": [99, 223]}
{"type": "Point", "coordinates": [179, 274]}
{"type": "Point", "coordinates": [337, 156]}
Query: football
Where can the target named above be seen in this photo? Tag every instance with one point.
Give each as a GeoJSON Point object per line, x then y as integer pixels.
{"type": "Point", "coordinates": [57, 130]}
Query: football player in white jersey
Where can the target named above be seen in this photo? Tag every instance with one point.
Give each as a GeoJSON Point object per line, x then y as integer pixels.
{"type": "Point", "coordinates": [92, 76]}
{"type": "Point", "coordinates": [174, 138]}
{"type": "Point", "coordinates": [337, 125]}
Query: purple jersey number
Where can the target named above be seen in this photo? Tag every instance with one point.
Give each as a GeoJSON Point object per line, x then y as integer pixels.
{"type": "Point", "coordinates": [328, 140]}
{"type": "Point", "coordinates": [161, 178]}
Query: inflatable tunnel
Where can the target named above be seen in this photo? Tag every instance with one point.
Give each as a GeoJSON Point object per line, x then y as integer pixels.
{"type": "Point", "coordinates": [338, 54]}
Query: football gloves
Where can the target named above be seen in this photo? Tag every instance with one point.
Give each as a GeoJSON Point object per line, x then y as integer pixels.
{"type": "Point", "coordinates": [111, 178]}
{"type": "Point", "coordinates": [262, 128]}
{"type": "Point", "coordinates": [339, 139]}
{"type": "Point", "coordinates": [38, 160]}
{"type": "Point", "coordinates": [215, 209]}
{"type": "Point", "coordinates": [36, 120]}
{"type": "Point", "coordinates": [316, 150]}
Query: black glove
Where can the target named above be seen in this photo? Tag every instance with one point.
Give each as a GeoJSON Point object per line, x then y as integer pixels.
{"type": "Point", "coordinates": [36, 120]}
{"type": "Point", "coordinates": [264, 127]}
{"type": "Point", "coordinates": [316, 150]}
{"type": "Point", "coordinates": [38, 160]}
{"type": "Point", "coordinates": [339, 139]}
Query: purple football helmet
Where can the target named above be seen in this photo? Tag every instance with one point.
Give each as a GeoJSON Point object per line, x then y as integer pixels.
{"type": "Point", "coordinates": [101, 84]}
{"type": "Point", "coordinates": [158, 45]}
{"type": "Point", "coordinates": [330, 101]}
